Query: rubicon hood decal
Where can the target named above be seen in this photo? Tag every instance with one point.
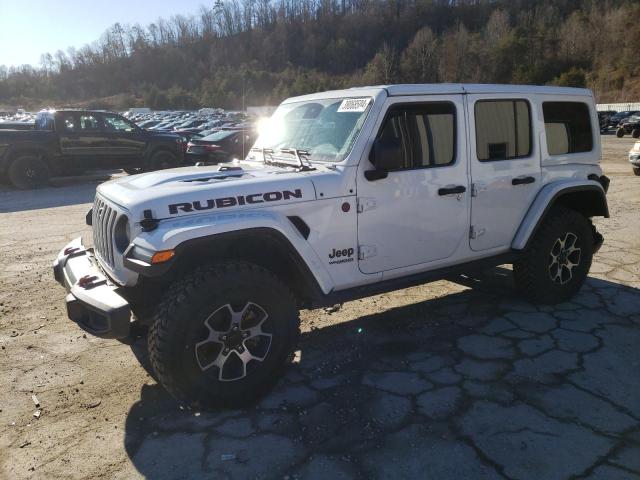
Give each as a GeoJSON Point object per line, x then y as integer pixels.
{"type": "Point", "coordinates": [222, 202]}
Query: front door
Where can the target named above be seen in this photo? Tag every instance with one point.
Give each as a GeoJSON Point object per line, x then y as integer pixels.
{"type": "Point", "coordinates": [418, 213]}
{"type": "Point", "coordinates": [505, 168]}
{"type": "Point", "coordinates": [126, 141]}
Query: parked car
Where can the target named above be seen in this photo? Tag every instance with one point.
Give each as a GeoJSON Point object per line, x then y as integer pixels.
{"type": "Point", "coordinates": [629, 127]}
{"type": "Point", "coordinates": [634, 158]}
{"type": "Point", "coordinates": [16, 126]}
{"type": "Point", "coordinates": [604, 117]}
{"type": "Point", "coordinates": [72, 141]}
{"type": "Point", "coordinates": [221, 146]}
{"type": "Point", "coordinates": [621, 117]}
{"type": "Point", "coordinates": [345, 194]}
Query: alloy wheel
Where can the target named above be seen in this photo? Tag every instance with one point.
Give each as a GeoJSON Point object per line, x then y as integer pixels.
{"type": "Point", "coordinates": [233, 339]}
{"type": "Point", "coordinates": [563, 258]}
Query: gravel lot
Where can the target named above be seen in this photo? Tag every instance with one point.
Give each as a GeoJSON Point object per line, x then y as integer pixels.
{"type": "Point", "coordinates": [449, 380]}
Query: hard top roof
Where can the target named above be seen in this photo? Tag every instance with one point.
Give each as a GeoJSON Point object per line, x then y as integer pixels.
{"type": "Point", "coordinates": [445, 88]}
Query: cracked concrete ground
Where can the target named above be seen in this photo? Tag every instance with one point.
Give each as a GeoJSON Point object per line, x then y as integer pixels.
{"type": "Point", "coordinates": [460, 380]}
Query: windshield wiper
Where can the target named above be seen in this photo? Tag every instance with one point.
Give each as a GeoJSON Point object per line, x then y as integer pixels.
{"type": "Point", "coordinates": [265, 152]}
{"type": "Point", "coordinates": [299, 153]}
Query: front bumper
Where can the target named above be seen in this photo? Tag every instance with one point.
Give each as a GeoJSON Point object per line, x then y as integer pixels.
{"type": "Point", "coordinates": [634, 159]}
{"type": "Point", "coordinates": [93, 302]}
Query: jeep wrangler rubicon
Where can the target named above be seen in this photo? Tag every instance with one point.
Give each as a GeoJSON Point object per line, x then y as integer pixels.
{"type": "Point", "coordinates": [345, 194]}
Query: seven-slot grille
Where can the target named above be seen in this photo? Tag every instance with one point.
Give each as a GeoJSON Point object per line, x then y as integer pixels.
{"type": "Point", "coordinates": [104, 223]}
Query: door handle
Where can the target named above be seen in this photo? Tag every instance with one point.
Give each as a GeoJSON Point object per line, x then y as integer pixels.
{"type": "Point", "coordinates": [452, 190]}
{"type": "Point", "coordinates": [522, 180]}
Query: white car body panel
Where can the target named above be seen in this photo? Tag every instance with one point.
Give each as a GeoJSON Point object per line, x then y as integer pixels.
{"type": "Point", "coordinates": [404, 227]}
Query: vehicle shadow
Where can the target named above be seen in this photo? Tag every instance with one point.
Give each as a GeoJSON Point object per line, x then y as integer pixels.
{"type": "Point", "coordinates": [360, 382]}
{"type": "Point", "coordinates": [62, 191]}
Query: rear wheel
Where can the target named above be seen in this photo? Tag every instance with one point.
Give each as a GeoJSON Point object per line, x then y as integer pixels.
{"type": "Point", "coordinates": [28, 171]}
{"type": "Point", "coordinates": [635, 133]}
{"type": "Point", "coordinates": [162, 160]}
{"type": "Point", "coordinates": [223, 335]}
{"type": "Point", "coordinates": [558, 260]}
{"type": "Point", "coordinates": [636, 171]}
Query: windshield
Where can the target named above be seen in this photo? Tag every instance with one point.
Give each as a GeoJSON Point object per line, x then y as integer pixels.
{"type": "Point", "coordinates": [325, 129]}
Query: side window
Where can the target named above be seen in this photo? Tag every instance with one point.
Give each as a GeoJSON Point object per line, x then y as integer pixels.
{"type": "Point", "coordinates": [426, 134]}
{"type": "Point", "coordinates": [69, 123]}
{"type": "Point", "coordinates": [88, 123]}
{"type": "Point", "coordinates": [568, 127]}
{"type": "Point", "coordinates": [503, 129]}
{"type": "Point", "coordinates": [114, 123]}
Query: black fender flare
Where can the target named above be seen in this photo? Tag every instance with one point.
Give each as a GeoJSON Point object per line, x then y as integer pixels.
{"type": "Point", "coordinates": [587, 197]}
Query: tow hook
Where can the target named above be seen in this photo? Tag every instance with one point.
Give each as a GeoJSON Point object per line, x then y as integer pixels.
{"type": "Point", "coordinates": [86, 281]}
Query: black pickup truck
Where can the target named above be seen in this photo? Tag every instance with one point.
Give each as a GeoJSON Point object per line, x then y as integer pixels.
{"type": "Point", "coordinates": [67, 142]}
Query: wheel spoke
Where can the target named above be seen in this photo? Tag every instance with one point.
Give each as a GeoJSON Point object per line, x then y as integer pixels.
{"type": "Point", "coordinates": [564, 279]}
{"type": "Point", "coordinates": [557, 248]}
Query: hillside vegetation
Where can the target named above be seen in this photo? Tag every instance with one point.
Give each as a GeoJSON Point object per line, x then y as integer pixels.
{"type": "Point", "coordinates": [262, 51]}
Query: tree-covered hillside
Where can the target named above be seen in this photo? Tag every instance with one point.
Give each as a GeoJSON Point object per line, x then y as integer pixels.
{"type": "Point", "coordinates": [267, 50]}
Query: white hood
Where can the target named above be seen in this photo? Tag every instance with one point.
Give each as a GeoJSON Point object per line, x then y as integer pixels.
{"type": "Point", "coordinates": [194, 190]}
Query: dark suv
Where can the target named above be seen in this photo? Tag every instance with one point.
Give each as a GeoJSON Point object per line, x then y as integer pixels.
{"type": "Point", "coordinates": [65, 142]}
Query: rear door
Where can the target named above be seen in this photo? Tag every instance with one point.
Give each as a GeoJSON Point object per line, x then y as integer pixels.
{"type": "Point", "coordinates": [81, 139]}
{"type": "Point", "coordinates": [419, 212]}
{"type": "Point", "coordinates": [505, 167]}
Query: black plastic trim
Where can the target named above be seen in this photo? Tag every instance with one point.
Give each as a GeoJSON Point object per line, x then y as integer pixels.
{"type": "Point", "coordinates": [551, 203]}
{"type": "Point", "coordinates": [385, 286]}
{"type": "Point", "coordinates": [301, 226]}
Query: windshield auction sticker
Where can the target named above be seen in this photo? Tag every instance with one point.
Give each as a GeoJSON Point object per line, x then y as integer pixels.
{"type": "Point", "coordinates": [354, 105]}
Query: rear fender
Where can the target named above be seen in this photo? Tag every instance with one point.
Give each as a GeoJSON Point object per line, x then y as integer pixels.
{"type": "Point", "coordinates": [585, 196]}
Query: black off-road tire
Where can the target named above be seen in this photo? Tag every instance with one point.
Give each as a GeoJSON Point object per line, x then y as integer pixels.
{"type": "Point", "coordinates": [161, 160]}
{"type": "Point", "coordinates": [179, 327]}
{"type": "Point", "coordinates": [636, 171]}
{"type": "Point", "coordinates": [29, 171]}
{"type": "Point", "coordinates": [533, 273]}
{"type": "Point", "coordinates": [635, 133]}
{"type": "Point", "coordinates": [620, 132]}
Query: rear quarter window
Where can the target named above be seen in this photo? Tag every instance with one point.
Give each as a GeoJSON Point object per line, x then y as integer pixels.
{"type": "Point", "coordinates": [568, 127]}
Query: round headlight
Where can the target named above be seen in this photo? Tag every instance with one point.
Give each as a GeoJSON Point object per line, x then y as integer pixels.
{"type": "Point", "coordinates": [122, 233]}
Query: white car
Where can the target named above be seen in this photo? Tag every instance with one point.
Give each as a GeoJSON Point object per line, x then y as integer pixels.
{"type": "Point", "coordinates": [345, 194]}
{"type": "Point", "coordinates": [634, 158]}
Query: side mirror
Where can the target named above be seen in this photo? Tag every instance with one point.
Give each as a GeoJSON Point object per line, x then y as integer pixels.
{"type": "Point", "coordinates": [386, 156]}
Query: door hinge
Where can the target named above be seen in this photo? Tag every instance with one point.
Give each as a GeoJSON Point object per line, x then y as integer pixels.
{"type": "Point", "coordinates": [477, 189]}
{"type": "Point", "coordinates": [366, 203]}
{"type": "Point", "coordinates": [366, 251]}
{"type": "Point", "coordinates": [475, 232]}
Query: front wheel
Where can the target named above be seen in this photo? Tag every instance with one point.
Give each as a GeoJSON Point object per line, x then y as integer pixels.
{"type": "Point", "coordinates": [223, 335]}
{"type": "Point", "coordinates": [558, 259]}
{"type": "Point", "coordinates": [28, 171]}
{"type": "Point", "coordinates": [620, 132]}
{"type": "Point", "coordinates": [635, 133]}
{"type": "Point", "coordinates": [636, 171]}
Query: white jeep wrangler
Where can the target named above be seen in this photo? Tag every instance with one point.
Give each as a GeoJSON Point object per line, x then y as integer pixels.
{"type": "Point", "coordinates": [345, 194]}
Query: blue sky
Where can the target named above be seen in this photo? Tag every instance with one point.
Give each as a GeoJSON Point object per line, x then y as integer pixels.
{"type": "Point", "coordinates": [29, 28]}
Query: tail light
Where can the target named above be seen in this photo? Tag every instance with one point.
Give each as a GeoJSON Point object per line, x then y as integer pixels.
{"type": "Point", "coordinates": [211, 148]}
